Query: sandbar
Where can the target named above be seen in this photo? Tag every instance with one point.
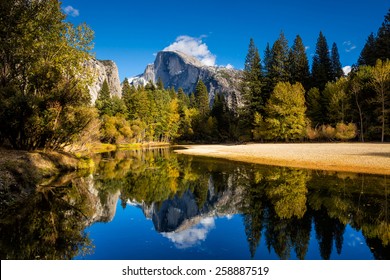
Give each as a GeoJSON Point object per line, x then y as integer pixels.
{"type": "Point", "coordinates": [372, 158]}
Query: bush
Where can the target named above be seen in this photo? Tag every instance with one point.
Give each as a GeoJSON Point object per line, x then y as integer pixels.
{"type": "Point", "coordinates": [346, 131]}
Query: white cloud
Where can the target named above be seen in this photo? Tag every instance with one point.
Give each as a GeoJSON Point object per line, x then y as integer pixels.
{"type": "Point", "coordinates": [307, 47]}
{"type": "Point", "coordinates": [229, 66]}
{"type": "Point", "coordinates": [194, 47]}
{"type": "Point", "coordinates": [70, 11]}
{"type": "Point", "coordinates": [192, 236]}
{"type": "Point", "coordinates": [347, 70]}
{"type": "Point", "coordinates": [349, 46]}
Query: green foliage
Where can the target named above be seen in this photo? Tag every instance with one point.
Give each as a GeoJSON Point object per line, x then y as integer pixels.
{"type": "Point", "coordinates": [279, 62]}
{"type": "Point", "coordinates": [322, 65]}
{"type": "Point", "coordinates": [104, 102]}
{"type": "Point", "coordinates": [298, 63]}
{"type": "Point", "coordinates": [337, 70]}
{"type": "Point", "coordinates": [287, 190]}
{"type": "Point", "coordinates": [337, 100]}
{"type": "Point", "coordinates": [42, 58]}
{"type": "Point", "coordinates": [368, 54]}
{"type": "Point", "coordinates": [251, 88]}
{"type": "Point", "coordinates": [160, 84]}
{"type": "Point", "coordinates": [202, 99]}
{"type": "Point", "coordinates": [115, 130]}
{"type": "Point", "coordinates": [314, 106]}
{"type": "Point", "coordinates": [377, 47]}
{"type": "Point", "coordinates": [381, 84]}
{"type": "Point", "coordinates": [285, 110]}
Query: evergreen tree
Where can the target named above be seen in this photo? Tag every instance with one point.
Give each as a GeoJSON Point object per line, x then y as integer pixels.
{"type": "Point", "coordinates": [314, 108]}
{"type": "Point", "coordinates": [202, 98]}
{"type": "Point", "coordinates": [160, 84]}
{"type": "Point", "coordinates": [322, 66]}
{"type": "Point", "coordinates": [368, 54]}
{"type": "Point", "coordinates": [252, 80]}
{"type": "Point", "coordinates": [267, 60]}
{"type": "Point", "coordinates": [383, 39]}
{"type": "Point", "coordinates": [377, 47]}
{"type": "Point", "coordinates": [126, 91]}
{"type": "Point", "coordinates": [251, 84]}
{"type": "Point", "coordinates": [104, 102]}
{"type": "Point", "coordinates": [184, 100]}
{"type": "Point", "coordinates": [279, 64]}
{"type": "Point", "coordinates": [337, 70]}
{"type": "Point", "coordinates": [299, 64]}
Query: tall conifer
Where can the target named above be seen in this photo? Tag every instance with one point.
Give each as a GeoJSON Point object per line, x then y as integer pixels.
{"type": "Point", "coordinates": [368, 54]}
{"type": "Point", "coordinates": [299, 64]}
{"type": "Point", "coordinates": [337, 70]}
{"type": "Point", "coordinates": [322, 66]}
{"type": "Point", "coordinates": [279, 64]}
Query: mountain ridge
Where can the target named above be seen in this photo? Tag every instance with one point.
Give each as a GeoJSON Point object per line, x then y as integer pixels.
{"type": "Point", "coordinates": [179, 70]}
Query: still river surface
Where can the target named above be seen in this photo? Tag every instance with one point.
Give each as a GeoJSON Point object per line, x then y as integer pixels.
{"type": "Point", "coordinates": [156, 204]}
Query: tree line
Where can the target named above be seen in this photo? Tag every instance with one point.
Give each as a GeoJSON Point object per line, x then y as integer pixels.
{"type": "Point", "coordinates": [45, 101]}
{"type": "Point", "coordinates": [285, 101]}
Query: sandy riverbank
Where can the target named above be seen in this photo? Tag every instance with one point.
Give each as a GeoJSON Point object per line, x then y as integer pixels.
{"type": "Point", "coordinates": [350, 157]}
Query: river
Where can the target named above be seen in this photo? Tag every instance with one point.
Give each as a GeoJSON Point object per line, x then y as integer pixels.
{"type": "Point", "coordinates": [156, 204]}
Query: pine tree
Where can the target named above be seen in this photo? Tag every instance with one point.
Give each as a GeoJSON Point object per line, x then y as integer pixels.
{"type": "Point", "coordinates": [368, 54]}
{"type": "Point", "coordinates": [126, 91]}
{"type": "Point", "coordinates": [337, 70]}
{"type": "Point", "coordinates": [314, 107]}
{"type": "Point", "coordinates": [202, 98]}
{"type": "Point", "coordinates": [252, 85]}
{"type": "Point", "coordinates": [279, 64]}
{"type": "Point", "coordinates": [299, 64]}
{"type": "Point", "coordinates": [383, 39]}
{"type": "Point", "coordinates": [322, 66]}
{"type": "Point", "coordinates": [160, 84]}
{"type": "Point", "coordinates": [252, 80]}
{"type": "Point", "coordinates": [103, 102]}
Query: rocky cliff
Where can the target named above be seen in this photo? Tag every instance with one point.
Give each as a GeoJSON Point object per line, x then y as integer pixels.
{"type": "Point", "coordinates": [179, 70]}
{"type": "Point", "coordinates": [104, 70]}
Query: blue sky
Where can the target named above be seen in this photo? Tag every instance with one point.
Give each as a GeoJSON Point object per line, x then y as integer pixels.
{"type": "Point", "coordinates": [132, 32]}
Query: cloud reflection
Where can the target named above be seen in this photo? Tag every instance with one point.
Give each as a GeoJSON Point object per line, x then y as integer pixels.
{"type": "Point", "coordinates": [192, 236]}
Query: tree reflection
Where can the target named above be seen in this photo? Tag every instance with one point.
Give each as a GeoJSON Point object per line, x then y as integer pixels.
{"type": "Point", "coordinates": [281, 207]}
{"type": "Point", "coordinates": [48, 225]}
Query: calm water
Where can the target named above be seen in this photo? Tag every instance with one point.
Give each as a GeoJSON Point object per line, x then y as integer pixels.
{"type": "Point", "coordinates": [159, 205]}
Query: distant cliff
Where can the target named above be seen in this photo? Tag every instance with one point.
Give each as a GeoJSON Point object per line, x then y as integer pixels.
{"type": "Point", "coordinates": [179, 70]}
{"type": "Point", "coordinates": [104, 70]}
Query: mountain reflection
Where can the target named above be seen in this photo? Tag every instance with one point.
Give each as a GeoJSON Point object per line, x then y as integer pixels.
{"type": "Point", "coordinates": [281, 208]}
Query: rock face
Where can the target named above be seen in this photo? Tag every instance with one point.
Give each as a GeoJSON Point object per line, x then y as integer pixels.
{"type": "Point", "coordinates": [179, 70]}
{"type": "Point", "coordinates": [104, 70]}
{"type": "Point", "coordinates": [181, 213]}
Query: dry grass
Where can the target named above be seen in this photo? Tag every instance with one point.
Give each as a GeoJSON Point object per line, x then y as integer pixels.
{"type": "Point", "coordinates": [351, 157]}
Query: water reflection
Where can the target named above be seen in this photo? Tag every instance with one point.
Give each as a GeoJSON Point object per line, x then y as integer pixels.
{"type": "Point", "coordinates": [282, 209]}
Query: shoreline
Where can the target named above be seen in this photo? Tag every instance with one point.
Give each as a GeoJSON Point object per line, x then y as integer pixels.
{"type": "Point", "coordinates": [370, 158]}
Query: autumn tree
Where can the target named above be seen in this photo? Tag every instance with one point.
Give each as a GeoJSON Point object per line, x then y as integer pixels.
{"type": "Point", "coordinates": [43, 78]}
{"type": "Point", "coordinates": [381, 84]}
{"type": "Point", "coordinates": [285, 110]}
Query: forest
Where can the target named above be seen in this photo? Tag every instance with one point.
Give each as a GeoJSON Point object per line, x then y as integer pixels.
{"type": "Point", "coordinates": [45, 102]}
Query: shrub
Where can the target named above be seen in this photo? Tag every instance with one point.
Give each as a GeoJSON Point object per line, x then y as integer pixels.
{"type": "Point", "coordinates": [346, 131]}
